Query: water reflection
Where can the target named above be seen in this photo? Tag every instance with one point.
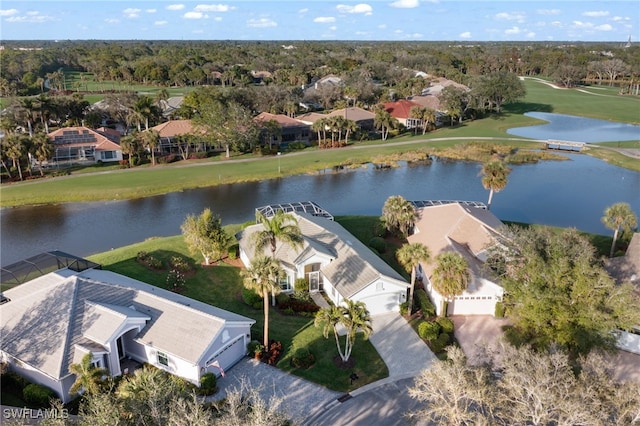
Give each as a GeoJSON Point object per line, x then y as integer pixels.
{"type": "Point", "coordinates": [567, 193]}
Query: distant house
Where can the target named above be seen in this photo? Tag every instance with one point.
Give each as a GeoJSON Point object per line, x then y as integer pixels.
{"type": "Point", "coordinates": [310, 117]}
{"type": "Point", "coordinates": [627, 269]}
{"type": "Point", "coordinates": [170, 133]}
{"type": "Point", "coordinates": [291, 129]}
{"type": "Point", "coordinates": [363, 118]}
{"type": "Point", "coordinates": [438, 84]}
{"type": "Point", "coordinates": [81, 144]}
{"type": "Point", "coordinates": [52, 321]}
{"type": "Point", "coordinates": [401, 111]}
{"type": "Point", "coordinates": [468, 231]}
{"type": "Point", "coordinates": [332, 260]}
{"type": "Point", "coordinates": [170, 106]}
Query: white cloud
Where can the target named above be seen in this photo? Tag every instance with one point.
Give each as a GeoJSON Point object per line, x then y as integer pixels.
{"type": "Point", "coordinates": [213, 8]}
{"type": "Point", "coordinates": [160, 23]}
{"type": "Point", "coordinates": [175, 7]}
{"type": "Point", "coordinates": [261, 23]}
{"type": "Point", "coordinates": [112, 21]}
{"type": "Point", "coordinates": [604, 27]}
{"type": "Point", "coordinates": [580, 24]}
{"type": "Point", "coordinates": [511, 16]}
{"type": "Point", "coordinates": [405, 4]}
{"type": "Point", "coordinates": [195, 15]}
{"type": "Point", "coordinates": [512, 31]}
{"type": "Point", "coordinates": [531, 34]}
{"type": "Point", "coordinates": [217, 19]}
{"type": "Point", "coordinates": [596, 13]}
{"type": "Point", "coordinates": [382, 26]}
{"type": "Point", "coordinates": [417, 35]}
{"type": "Point", "coordinates": [151, 10]}
{"type": "Point", "coordinates": [305, 10]}
{"type": "Point", "coordinates": [556, 23]}
{"type": "Point", "coordinates": [324, 19]}
{"type": "Point", "coordinates": [8, 12]}
{"type": "Point", "coordinates": [548, 12]}
{"type": "Point", "coordinates": [30, 17]}
{"type": "Point", "coordinates": [358, 8]}
{"type": "Point", "coordinates": [131, 12]}
{"type": "Point", "coordinates": [466, 34]}
{"type": "Point", "coordinates": [620, 18]}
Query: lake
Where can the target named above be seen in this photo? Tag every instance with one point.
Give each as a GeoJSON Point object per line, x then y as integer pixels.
{"type": "Point", "coordinates": [576, 129]}
{"type": "Point", "coordinates": [561, 193]}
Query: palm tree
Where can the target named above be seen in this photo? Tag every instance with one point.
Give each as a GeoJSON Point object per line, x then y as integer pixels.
{"type": "Point", "coordinates": [88, 377]}
{"type": "Point", "coordinates": [263, 276]}
{"type": "Point", "coordinates": [130, 146]}
{"type": "Point", "coordinates": [14, 147]}
{"type": "Point", "coordinates": [281, 227]}
{"type": "Point", "coordinates": [319, 126]}
{"type": "Point", "coordinates": [398, 214]}
{"type": "Point", "coordinates": [42, 149]}
{"type": "Point", "coordinates": [150, 139]}
{"type": "Point", "coordinates": [146, 109]}
{"type": "Point", "coordinates": [383, 121]}
{"type": "Point", "coordinates": [417, 113]}
{"type": "Point", "coordinates": [353, 316]}
{"type": "Point", "coordinates": [619, 217]}
{"type": "Point", "coordinates": [495, 175]}
{"type": "Point", "coordinates": [451, 276]}
{"type": "Point", "coordinates": [350, 126]}
{"type": "Point", "coordinates": [428, 116]}
{"type": "Point", "coordinates": [410, 256]}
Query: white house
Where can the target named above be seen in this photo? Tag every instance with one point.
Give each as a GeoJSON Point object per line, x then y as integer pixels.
{"type": "Point", "coordinates": [334, 261]}
{"type": "Point", "coordinates": [627, 269]}
{"type": "Point", "coordinates": [54, 320]}
{"type": "Point", "coordinates": [83, 144]}
{"type": "Point", "coordinates": [467, 230]}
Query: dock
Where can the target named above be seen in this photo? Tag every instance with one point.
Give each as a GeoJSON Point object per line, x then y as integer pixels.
{"type": "Point", "coordinates": [565, 145]}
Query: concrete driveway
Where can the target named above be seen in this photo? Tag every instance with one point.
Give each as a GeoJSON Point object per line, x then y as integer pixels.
{"type": "Point", "coordinates": [474, 332]}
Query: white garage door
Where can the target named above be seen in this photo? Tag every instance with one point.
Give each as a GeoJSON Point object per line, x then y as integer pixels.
{"type": "Point", "coordinates": [382, 303]}
{"type": "Point", "coordinates": [472, 305]}
{"type": "Point", "coordinates": [230, 354]}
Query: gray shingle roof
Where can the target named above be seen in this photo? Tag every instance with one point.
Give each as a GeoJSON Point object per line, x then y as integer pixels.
{"type": "Point", "coordinates": [51, 315]}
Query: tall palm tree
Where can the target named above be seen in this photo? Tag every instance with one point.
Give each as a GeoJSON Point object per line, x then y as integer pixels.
{"type": "Point", "coordinates": [14, 148]}
{"type": "Point", "coordinates": [281, 227]}
{"type": "Point", "coordinates": [410, 256]}
{"type": "Point", "coordinates": [350, 127]}
{"type": "Point", "coordinates": [417, 113]}
{"type": "Point", "coordinates": [450, 276]}
{"type": "Point", "coordinates": [88, 377]}
{"type": "Point", "coordinates": [619, 217]}
{"type": "Point", "coordinates": [353, 316]}
{"type": "Point", "coordinates": [428, 116]}
{"type": "Point", "coordinates": [495, 175]}
{"type": "Point", "coordinates": [398, 214]}
{"type": "Point", "coordinates": [130, 146]}
{"type": "Point", "coordinates": [319, 127]}
{"type": "Point", "coordinates": [263, 276]}
{"type": "Point", "coordinates": [42, 149]}
{"type": "Point", "coordinates": [383, 121]}
{"type": "Point", "coordinates": [150, 139]}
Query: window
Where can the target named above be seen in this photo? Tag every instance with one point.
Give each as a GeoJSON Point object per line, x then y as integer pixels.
{"type": "Point", "coordinates": [379, 286]}
{"type": "Point", "coordinates": [107, 155]}
{"type": "Point", "coordinates": [163, 359]}
{"type": "Point", "coordinates": [284, 283]}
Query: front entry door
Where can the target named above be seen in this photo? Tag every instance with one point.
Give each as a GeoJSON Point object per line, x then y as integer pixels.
{"type": "Point", "coordinates": [314, 281]}
{"type": "Point", "coordinates": [120, 346]}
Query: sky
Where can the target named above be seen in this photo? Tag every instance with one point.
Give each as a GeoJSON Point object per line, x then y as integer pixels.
{"type": "Point", "coordinates": [401, 20]}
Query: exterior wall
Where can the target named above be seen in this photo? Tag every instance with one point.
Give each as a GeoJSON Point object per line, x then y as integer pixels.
{"type": "Point", "coordinates": [36, 376]}
{"type": "Point", "coordinates": [482, 302]}
{"type": "Point", "coordinates": [176, 366]}
{"type": "Point", "coordinates": [102, 156]}
{"type": "Point", "coordinates": [382, 296]}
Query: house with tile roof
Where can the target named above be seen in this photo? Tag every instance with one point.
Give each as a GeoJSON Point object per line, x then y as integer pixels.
{"type": "Point", "coordinates": [291, 129]}
{"type": "Point", "coordinates": [81, 144]}
{"type": "Point", "coordinates": [170, 133]}
{"type": "Point", "coordinates": [333, 261]}
{"type": "Point", "coordinates": [52, 321]}
{"type": "Point", "coordinates": [469, 231]}
{"type": "Point", "coordinates": [401, 111]}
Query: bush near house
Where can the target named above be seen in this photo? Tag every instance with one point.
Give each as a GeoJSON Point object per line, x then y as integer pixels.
{"type": "Point", "coordinates": [302, 358]}
{"type": "Point", "coordinates": [299, 306]}
{"type": "Point", "coordinates": [149, 261]}
{"type": "Point", "coordinates": [251, 298]}
{"type": "Point", "coordinates": [38, 394]}
{"type": "Point", "coordinates": [424, 304]}
{"type": "Point", "coordinates": [378, 244]}
{"type": "Point", "coordinates": [180, 264]}
{"type": "Point", "coordinates": [446, 324]}
{"type": "Point", "coordinates": [429, 330]}
{"type": "Point", "coordinates": [208, 384]}
{"type": "Point", "coordinates": [440, 343]}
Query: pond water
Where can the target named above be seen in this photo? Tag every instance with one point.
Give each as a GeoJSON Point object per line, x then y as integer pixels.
{"type": "Point", "coordinates": [562, 193]}
{"type": "Point", "coordinates": [576, 129]}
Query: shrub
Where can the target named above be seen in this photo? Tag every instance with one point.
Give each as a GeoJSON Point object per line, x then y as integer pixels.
{"type": "Point", "coordinates": [251, 298]}
{"type": "Point", "coordinates": [175, 280]}
{"type": "Point", "coordinates": [197, 155]}
{"type": "Point", "coordinates": [302, 358]}
{"type": "Point", "coordinates": [180, 264]}
{"type": "Point", "coordinates": [166, 159]}
{"type": "Point", "coordinates": [500, 310]}
{"type": "Point", "coordinates": [299, 306]}
{"type": "Point", "coordinates": [379, 244]}
{"type": "Point", "coordinates": [37, 394]}
{"type": "Point", "coordinates": [148, 260]}
{"type": "Point", "coordinates": [208, 384]}
{"type": "Point", "coordinates": [254, 347]}
{"type": "Point", "coordinates": [422, 299]}
{"type": "Point", "coordinates": [275, 350]}
{"type": "Point", "coordinates": [282, 298]}
{"type": "Point", "coordinates": [302, 295]}
{"type": "Point", "coordinates": [232, 251]}
{"type": "Point", "coordinates": [404, 308]}
{"type": "Point", "coordinates": [429, 330]}
{"type": "Point", "coordinates": [445, 324]}
{"type": "Point", "coordinates": [440, 343]}
{"type": "Point", "coordinates": [301, 284]}
{"type": "Point", "coordinates": [297, 146]}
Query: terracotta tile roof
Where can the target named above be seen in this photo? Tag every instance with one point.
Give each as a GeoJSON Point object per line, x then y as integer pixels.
{"type": "Point", "coordinates": [281, 119]}
{"type": "Point", "coordinates": [82, 136]}
{"type": "Point", "coordinates": [174, 128]}
{"type": "Point", "coordinates": [401, 108]}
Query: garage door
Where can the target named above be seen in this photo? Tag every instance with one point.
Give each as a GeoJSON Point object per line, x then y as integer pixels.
{"type": "Point", "coordinates": [230, 354]}
{"type": "Point", "coordinates": [472, 305]}
{"type": "Point", "coordinates": [382, 303]}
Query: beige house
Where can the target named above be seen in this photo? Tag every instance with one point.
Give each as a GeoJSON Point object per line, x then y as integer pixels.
{"type": "Point", "coordinates": [469, 231]}
{"type": "Point", "coordinates": [332, 260]}
{"type": "Point", "coordinates": [52, 321]}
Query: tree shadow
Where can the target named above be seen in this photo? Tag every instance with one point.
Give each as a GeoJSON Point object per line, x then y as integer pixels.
{"type": "Point", "coordinates": [522, 107]}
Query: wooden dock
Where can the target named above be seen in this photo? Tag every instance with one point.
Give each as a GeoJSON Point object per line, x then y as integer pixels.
{"type": "Point", "coordinates": [565, 145]}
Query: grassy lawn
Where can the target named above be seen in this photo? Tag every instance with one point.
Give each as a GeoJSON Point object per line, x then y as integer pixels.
{"type": "Point", "coordinates": [221, 286]}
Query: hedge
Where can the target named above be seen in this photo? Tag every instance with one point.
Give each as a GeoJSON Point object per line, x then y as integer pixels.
{"type": "Point", "coordinates": [445, 324]}
{"type": "Point", "coordinates": [37, 394]}
{"type": "Point", "coordinates": [422, 299]}
{"type": "Point", "coordinates": [428, 330]}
